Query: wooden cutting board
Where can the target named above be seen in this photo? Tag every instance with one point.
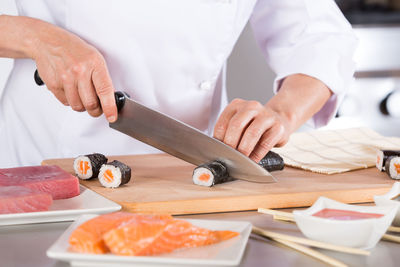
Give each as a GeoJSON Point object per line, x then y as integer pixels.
{"type": "Point", "coordinates": [163, 184]}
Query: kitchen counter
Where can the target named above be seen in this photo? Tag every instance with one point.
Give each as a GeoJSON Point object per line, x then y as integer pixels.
{"type": "Point", "coordinates": [26, 245]}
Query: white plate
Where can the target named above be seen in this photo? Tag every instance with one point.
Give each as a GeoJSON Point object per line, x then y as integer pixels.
{"type": "Point", "coordinates": [226, 253]}
{"type": "Point", "coordinates": [64, 209]}
{"type": "Point", "coordinates": [386, 200]}
{"type": "Point", "coordinates": [364, 233]}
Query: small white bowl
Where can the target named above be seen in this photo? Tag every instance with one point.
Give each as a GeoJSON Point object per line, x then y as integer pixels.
{"type": "Point", "coordinates": [363, 233]}
{"type": "Point", "coordinates": [387, 200]}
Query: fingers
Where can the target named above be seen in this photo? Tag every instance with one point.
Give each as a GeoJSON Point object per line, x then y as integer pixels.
{"type": "Point", "coordinates": [105, 91]}
{"type": "Point", "coordinates": [60, 95]}
{"type": "Point", "coordinates": [83, 89]}
{"type": "Point", "coordinates": [268, 140]}
{"type": "Point", "coordinates": [88, 96]}
{"type": "Point", "coordinates": [236, 127]}
{"type": "Point", "coordinates": [223, 121]}
{"type": "Point", "coordinates": [77, 75]}
{"type": "Point", "coordinates": [251, 128]}
{"type": "Point", "coordinates": [253, 134]}
{"type": "Point", "coordinates": [71, 92]}
{"type": "Point", "coordinates": [76, 89]}
{"type": "Point", "coordinates": [55, 86]}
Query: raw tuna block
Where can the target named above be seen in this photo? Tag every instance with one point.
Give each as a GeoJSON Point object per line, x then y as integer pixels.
{"type": "Point", "coordinates": [50, 179]}
{"type": "Point", "coordinates": [18, 199]}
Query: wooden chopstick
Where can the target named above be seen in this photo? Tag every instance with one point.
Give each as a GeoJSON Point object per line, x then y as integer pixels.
{"type": "Point", "coordinates": [309, 242]}
{"type": "Point", "coordinates": [308, 251]}
{"type": "Point", "coordinates": [283, 218]}
{"type": "Point", "coordinates": [277, 213]}
{"type": "Point", "coordinates": [312, 253]}
{"type": "Point", "coordinates": [394, 229]}
{"type": "Point", "coordinates": [391, 238]}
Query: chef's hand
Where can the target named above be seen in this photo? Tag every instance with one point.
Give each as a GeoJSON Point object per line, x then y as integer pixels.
{"type": "Point", "coordinates": [253, 128]}
{"type": "Point", "coordinates": [74, 71]}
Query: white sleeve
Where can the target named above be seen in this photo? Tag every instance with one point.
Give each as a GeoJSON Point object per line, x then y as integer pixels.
{"type": "Point", "coordinates": [311, 37]}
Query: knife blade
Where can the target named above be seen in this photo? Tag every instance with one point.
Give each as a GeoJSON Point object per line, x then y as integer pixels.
{"type": "Point", "coordinates": [183, 141]}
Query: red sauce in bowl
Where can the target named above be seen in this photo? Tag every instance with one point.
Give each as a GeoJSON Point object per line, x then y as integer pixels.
{"type": "Point", "coordinates": [345, 215]}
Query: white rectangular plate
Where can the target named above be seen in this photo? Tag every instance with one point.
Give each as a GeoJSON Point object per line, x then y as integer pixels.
{"type": "Point", "coordinates": [226, 253]}
{"type": "Point", "coordinates": [61, 210]}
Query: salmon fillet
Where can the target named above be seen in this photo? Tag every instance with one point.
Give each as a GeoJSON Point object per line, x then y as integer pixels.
{"type": "Point", "coordinates": [154, 236]}
{"type": "Point", "coordinates": [124, 233]}
{"type": "Point", "coordinates": [88, 237]}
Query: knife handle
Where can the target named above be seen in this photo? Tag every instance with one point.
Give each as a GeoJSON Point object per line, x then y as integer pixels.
{"type": "Point", "coordinates": [37, 78]}
{"type": "Point", "coordinates": [120, 99]}
{"type": "Point", "coordinates": [119, 96]}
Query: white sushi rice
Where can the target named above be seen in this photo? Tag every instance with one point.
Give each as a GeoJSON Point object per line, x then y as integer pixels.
{"type": "Point", "coordinates": [200, 171]}
{"type": "Point", "coordinates": [394, 172]}
{"type": "Point", "coordinates": [379, 160]}
{"type": "Point", "coordinates": [116, 172]}
{"type": "Point", "coordinates": [76, 167]}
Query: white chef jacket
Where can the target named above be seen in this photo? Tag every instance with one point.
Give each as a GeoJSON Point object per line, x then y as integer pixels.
{"type": "Point", "coordinates": [170, 56]}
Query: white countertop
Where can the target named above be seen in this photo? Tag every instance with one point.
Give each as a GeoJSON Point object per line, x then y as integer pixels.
{"type": "Point", "coordinates": [26, 245]}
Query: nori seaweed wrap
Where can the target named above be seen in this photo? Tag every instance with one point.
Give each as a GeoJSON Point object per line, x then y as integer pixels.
{"type": "Point", "coordinates": [211, 173]}
{"type": "Point", "coordinates": [392, 167]}
{"type": "Point", "coordinates": [382, 156]}
{"type": "Point", "coordinates": [114, 174]}
{"type": "Point", "coordinates": [272, 162]}
{"type": "Point", "coordinates": [88, 166]}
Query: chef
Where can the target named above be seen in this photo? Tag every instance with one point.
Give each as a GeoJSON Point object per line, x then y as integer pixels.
{"type": "Point", "coordinates": [170, 56]}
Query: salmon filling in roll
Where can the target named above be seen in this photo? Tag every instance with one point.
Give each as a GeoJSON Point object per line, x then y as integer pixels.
{"type": "Point", "coordinates": [88, 166]}
{"type": "Point", "coordinates": [393, 167]}
{"type": "Point", "coordinates": [114, 174]}
{"type": "Point", "coordinates": [210, 174]}
{"type": "Point", "coordinates": [382, 156]}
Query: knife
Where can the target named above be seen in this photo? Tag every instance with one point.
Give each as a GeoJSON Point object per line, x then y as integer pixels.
{"type": "Point", "coordinates": [183, 141]}
{"type": "Point", "coordinates": [180, 140]}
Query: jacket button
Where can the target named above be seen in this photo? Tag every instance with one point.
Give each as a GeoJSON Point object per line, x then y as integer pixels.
{"type": "Point", "coordinates": [205, 86]}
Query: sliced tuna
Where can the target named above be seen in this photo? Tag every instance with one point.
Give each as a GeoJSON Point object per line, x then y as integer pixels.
{"type": "Point", "coordinates": [18, 199]}
{"type": "Point", "coordinates": [50, 179]}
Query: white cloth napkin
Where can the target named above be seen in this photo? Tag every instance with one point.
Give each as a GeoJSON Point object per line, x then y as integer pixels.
{"type": "Point", "coordinates": [335, 151]}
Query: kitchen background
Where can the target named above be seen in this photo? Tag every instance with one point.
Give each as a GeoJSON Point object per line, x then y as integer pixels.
{"type": "Point", "coordinates": [374, 96]}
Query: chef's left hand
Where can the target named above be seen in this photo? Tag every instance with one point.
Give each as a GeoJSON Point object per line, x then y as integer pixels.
{"type": "Point", "coordinates": [253, 128]}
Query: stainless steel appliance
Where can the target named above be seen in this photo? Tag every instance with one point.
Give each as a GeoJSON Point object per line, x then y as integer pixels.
{"type": "Point", "coordinates": [374, 98]}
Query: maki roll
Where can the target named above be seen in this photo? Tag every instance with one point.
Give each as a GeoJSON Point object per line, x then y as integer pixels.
{"type": "Point", "coordinates": [211, 173]}
{"type": "Point", "coordinates": [272, 162]}
{"type": "Point", "coordinates": [88, 166]}
{"type": "Point", "coordinates": [392, 167]}
{"type": "Point", "coordinates": [114, 174]}
{"type": "Point", "coordinates": [382, 156]}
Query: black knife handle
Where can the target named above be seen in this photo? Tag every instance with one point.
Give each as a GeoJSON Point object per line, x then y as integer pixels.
{"type": "Point", "coordinates": [37, 78]}
{"type": "Point", "coordinates": [120, 99]}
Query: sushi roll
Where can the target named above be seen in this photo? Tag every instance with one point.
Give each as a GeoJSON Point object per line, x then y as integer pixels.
{"type": "Point", "coordinates": [392, 167]}
{"type": "Point", "coordinates": [88, 166]}
{"type": "Point", "coordinates": [381, 157]}
{"type": "Point", "coordinates": [114, 174]}
{"type": "Point", "coordinates": [211, 173]}
{"type": "Point", "coordinates": [272, 162]}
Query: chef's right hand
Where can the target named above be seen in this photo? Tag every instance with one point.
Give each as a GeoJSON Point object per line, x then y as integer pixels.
{"type": "Point", "coordinates": [74, 71]}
